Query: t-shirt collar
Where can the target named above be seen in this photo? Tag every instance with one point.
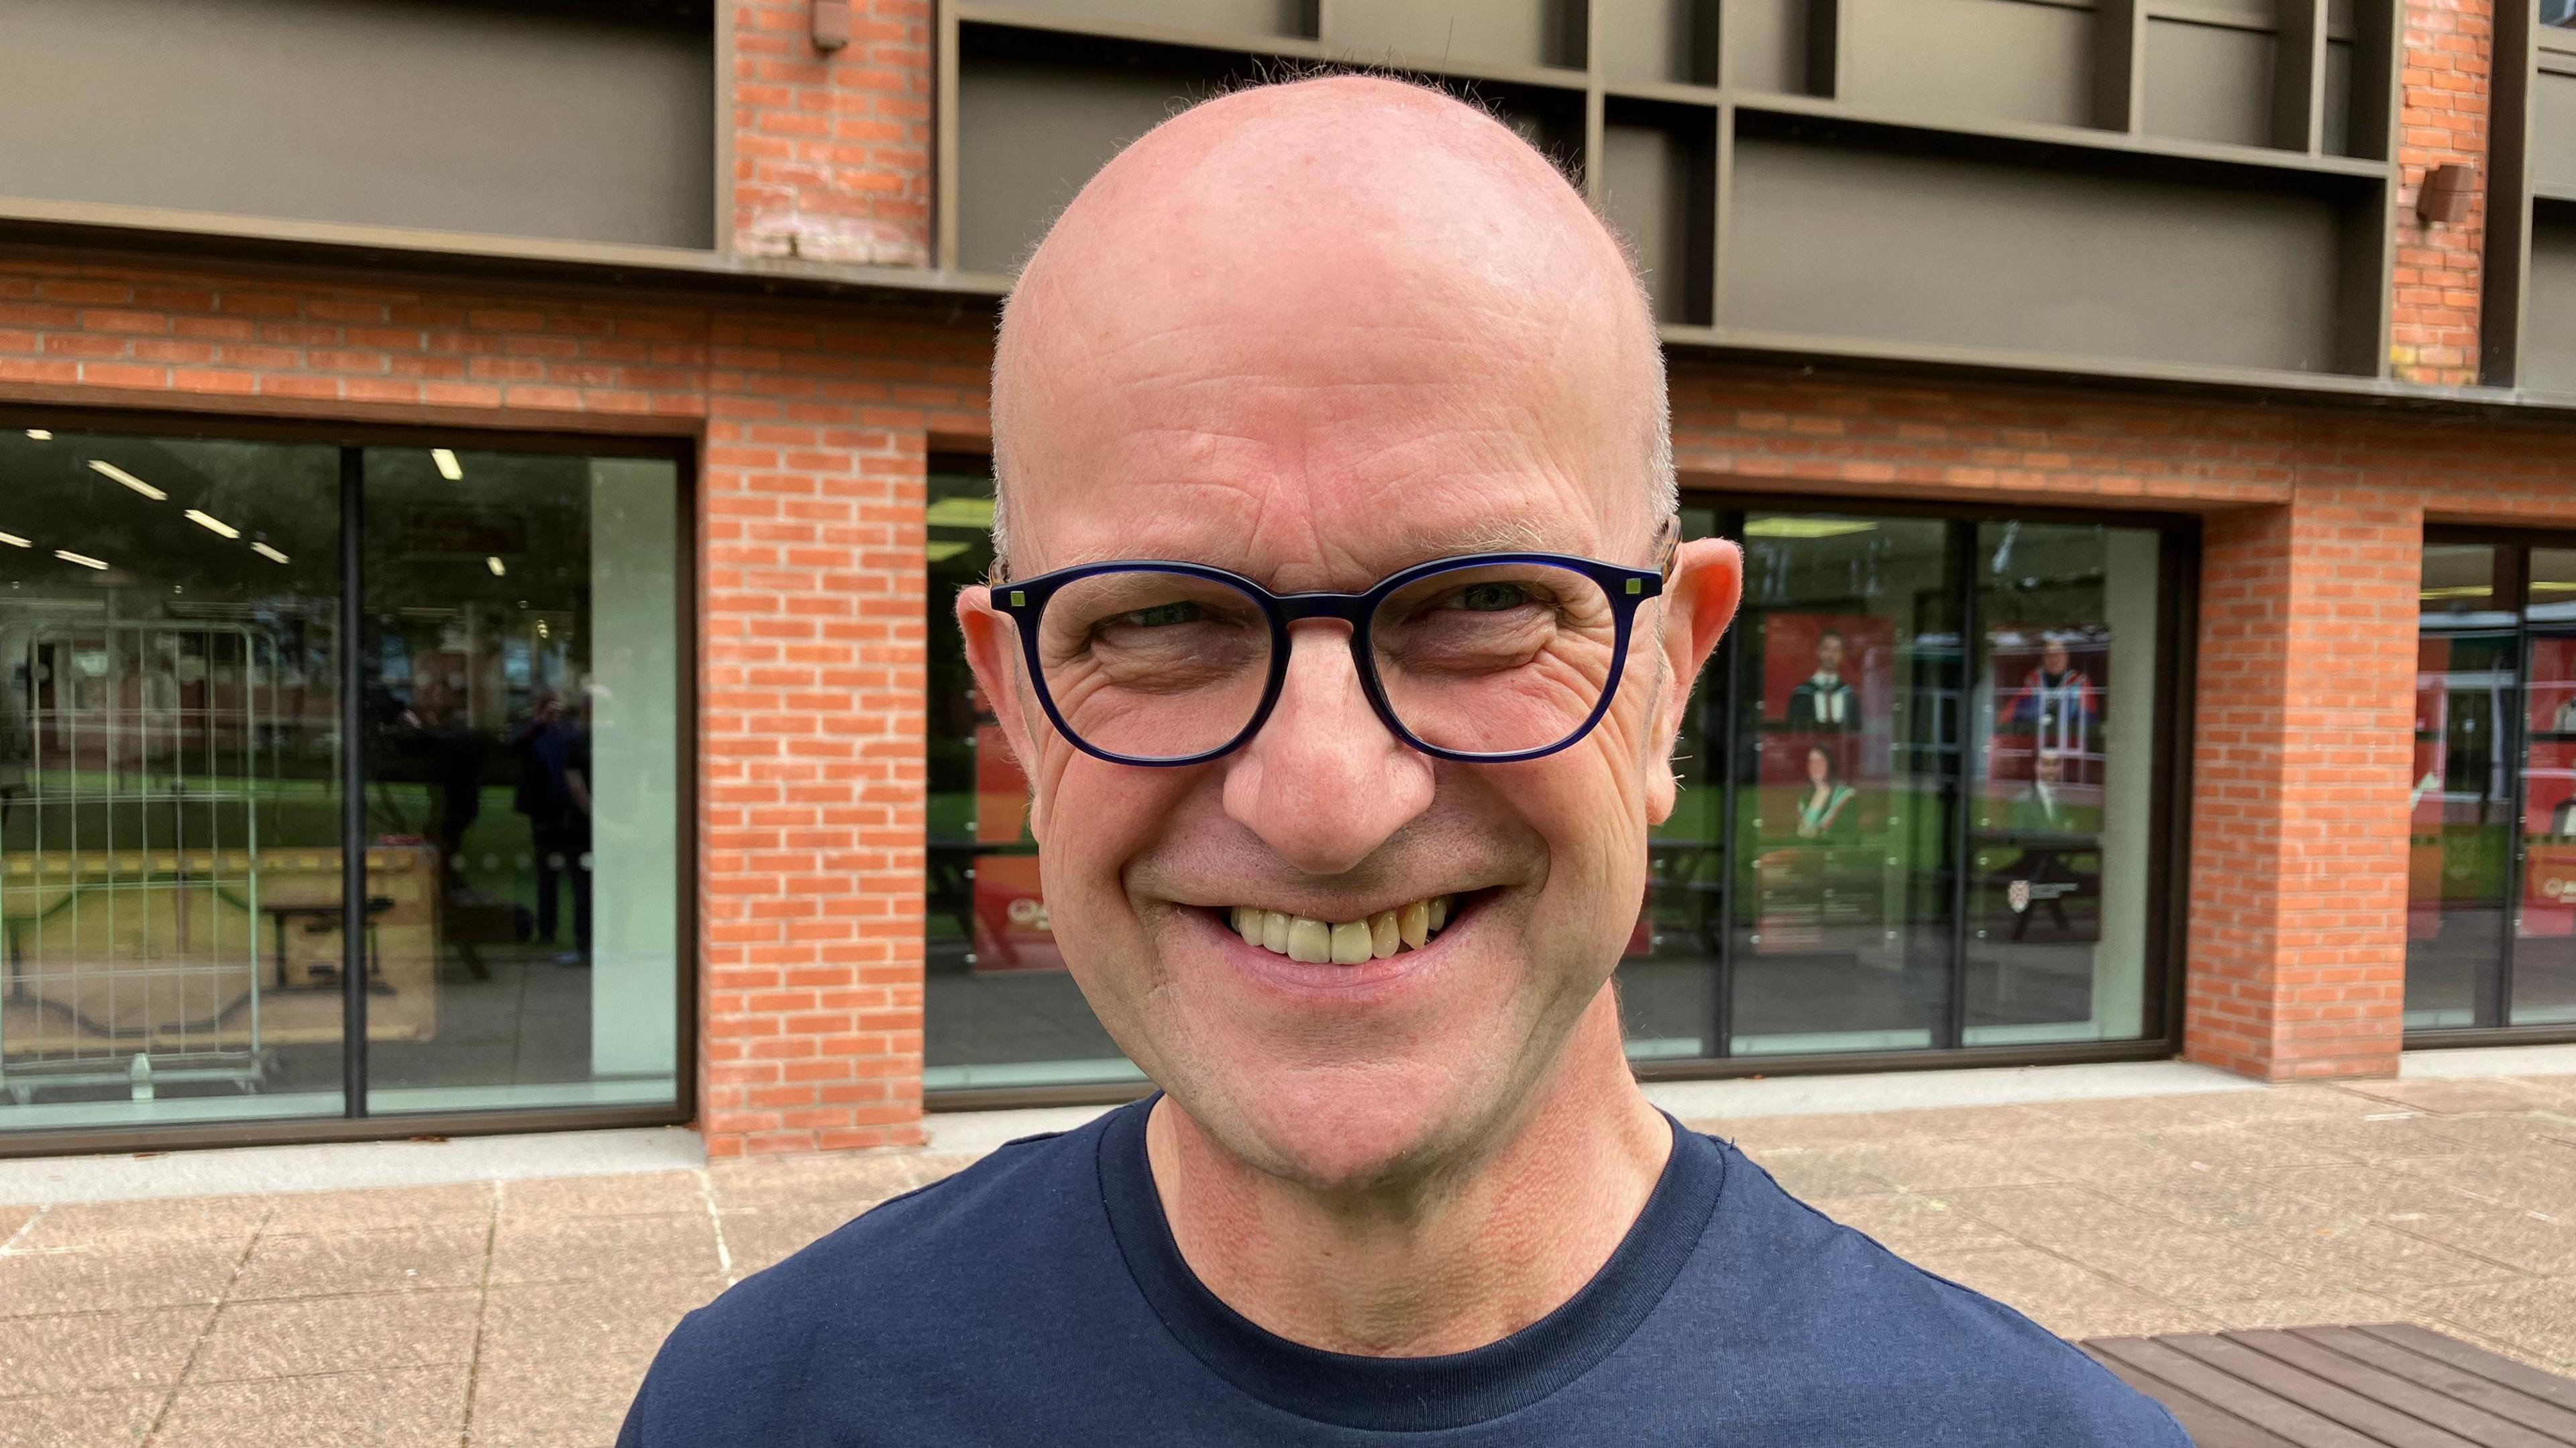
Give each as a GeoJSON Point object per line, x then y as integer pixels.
{"type": "Point", "coordinates": [1422, 1393]}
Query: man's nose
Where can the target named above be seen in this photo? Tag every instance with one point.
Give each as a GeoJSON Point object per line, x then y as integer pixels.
{"type": "Point", "coordinates": [1324, 783]}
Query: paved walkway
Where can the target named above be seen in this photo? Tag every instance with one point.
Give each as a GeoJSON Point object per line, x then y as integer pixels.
{"type": "Point", "coordinates": [523, 1312]}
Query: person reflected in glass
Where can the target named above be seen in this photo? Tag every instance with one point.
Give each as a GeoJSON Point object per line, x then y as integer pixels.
{"type": "Point", "coordinates": [1825, 810]}
{"type": "Point", "coordinates": [2041, 807]}
{"type": "Point", "coordinates": [1824, 700]}
{"type": "Point", "coordinates": [2055, 704]}
{"type": "Point", "coordinates": [554, 793]}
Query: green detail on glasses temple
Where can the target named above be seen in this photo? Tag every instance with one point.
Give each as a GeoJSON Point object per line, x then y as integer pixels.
{"type": "Point", "coordinates": [1489, 657]}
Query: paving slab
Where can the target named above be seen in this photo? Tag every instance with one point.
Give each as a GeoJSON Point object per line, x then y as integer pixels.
{"type": "Point", "coordinates": [523, 1309]}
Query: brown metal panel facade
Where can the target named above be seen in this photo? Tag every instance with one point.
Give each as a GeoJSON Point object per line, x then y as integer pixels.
{"type": "Point", "coordinates": [526, 121]}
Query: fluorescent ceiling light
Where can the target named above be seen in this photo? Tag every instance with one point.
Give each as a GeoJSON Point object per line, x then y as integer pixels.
{"type": "Point", "coordinates": [962, 513]}
{"type": "Point", "coordinates": [271, 554]}
{"type": "Point", "coordinates": [40, 435]}
{"type": "Point", "coordinates": [498, 570]}
{"type": "Point", "coordinates": [447, 465]}
{"type": "Point", "coordinates": [943, 549]}
{"type": "Point", "coordinates": [1805, 527]}
{"type": "Point", "coordinates": [14, 541]}
{"type": "Point", "coordinates": [110, 470]}
{"type": "Point", "coordinates": [83, 559]}
{"type": "Point", "coordinates": [213, 524]}
{"type": "Point", "coordinates": [2460, 590]}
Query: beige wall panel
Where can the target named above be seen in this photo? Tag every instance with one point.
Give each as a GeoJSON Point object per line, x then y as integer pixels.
{"type": "Point", "coordinates": [386, 112]}
{"type": "Point", "coordinates": [2549, 336]}
{"type": "Point", "coordinates": [1490, 32]}
{"type": "Point", "coordinates": [1972, 60]}
{"type": "Point", "coordinates": [2209, 83]}
{"type": "Point", "coordinates": [1655, 187]}
{"type": "Point", "coordinates": [1932, 250]}
{"type": "Point", "coordinates": [2553, 126]}
{"type": "Point", "coordinates": [1240, 17]}
{"type": "Point", "coordinates": [1762, 44]}
{"type": "Point", "coordinates": [1029, 135]}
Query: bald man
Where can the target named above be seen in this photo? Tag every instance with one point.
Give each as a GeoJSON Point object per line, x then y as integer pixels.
{"type": "Point", "coordinates": [1342, 629]}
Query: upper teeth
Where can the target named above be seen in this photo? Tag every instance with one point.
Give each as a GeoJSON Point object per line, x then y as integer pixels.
{"type": "Point", "coordinates": [1301, 937]}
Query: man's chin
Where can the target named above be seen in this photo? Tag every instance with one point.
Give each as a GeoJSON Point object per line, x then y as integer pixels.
{"type": "Point", "coordinates": [1341, 1129]}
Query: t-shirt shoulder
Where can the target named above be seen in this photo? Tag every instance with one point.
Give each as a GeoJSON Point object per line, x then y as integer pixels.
{"type": "Point", "coordinates": [1817, 1292]}
{"type": "Point", "coordinates": [848, 1296]}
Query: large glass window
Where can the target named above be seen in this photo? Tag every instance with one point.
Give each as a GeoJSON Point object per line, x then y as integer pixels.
{"type": "Point", "coordinates": [1924, 805]}
{"type": "Point", "coordinates": [2491, 883]}
{"type": "Point", "coordinates": [178, 796]}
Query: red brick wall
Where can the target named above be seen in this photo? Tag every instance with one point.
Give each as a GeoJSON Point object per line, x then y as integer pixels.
{"type": "Point", "coordinates": [2442, 118]}
{"type": "Point", "coordinates": [813, 424]}
{"type": "Point", "coordinates": [2302, 746]}
{"type": "Point", "coordinates": [831, 153]}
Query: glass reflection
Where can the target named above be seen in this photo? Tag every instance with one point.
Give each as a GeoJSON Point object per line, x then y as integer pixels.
{"type": "Point", "coordinates": [169, 819]}
{"type": "Point", "coordinates": [1847, 678]}
{"type": "Point", "coordinates": [2461, 846]}
{"type": "Point", "coordinates": [2542, 990]}
{"type": "Point", "coordinates": [523, 698]}
{"type": "Point", "coordinates": [2059, 842]}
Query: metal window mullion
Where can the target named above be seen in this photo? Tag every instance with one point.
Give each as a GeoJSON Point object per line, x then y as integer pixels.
{"type": "Point", "coordinates": [1730, 744]}
{"type": "Point", "coordinates": [353, 790]}
{"type": "Point", "coordinates": [1954, 1021]}
{"type": "Point", "coordinates": [2517, 759]}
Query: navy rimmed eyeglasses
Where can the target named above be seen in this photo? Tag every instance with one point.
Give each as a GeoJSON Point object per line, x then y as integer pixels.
{"type": "Point", "coordinates": [1487, 658]}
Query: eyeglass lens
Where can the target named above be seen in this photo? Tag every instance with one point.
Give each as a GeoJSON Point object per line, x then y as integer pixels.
{"type": "Point", "coordinates": [1496, 658]}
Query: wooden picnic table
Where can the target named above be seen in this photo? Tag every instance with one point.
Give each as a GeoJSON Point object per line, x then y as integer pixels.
{"type": "Point", "coordinates": [2386, 1385]}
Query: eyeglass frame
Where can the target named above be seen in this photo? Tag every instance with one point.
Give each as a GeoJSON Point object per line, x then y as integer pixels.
{"type": "Point", "coordinates": [1626, 589]}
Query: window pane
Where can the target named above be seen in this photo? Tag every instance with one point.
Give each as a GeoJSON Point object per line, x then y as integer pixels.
{"type": "Point", "coordinates": [999, 1008]}
{"type": "Point", "coordinates": [523, 710]}
{"type": "Point", "coordinates": [2544, 955]}
{"type": "Point", "coordinates": [2461, 843]}
{"type": "Point", "coordinates": [169, 813]}
{"type": "Point", "coordinates": [1847, 679]}
{"type": "Point", "coordinates": [1668, 980]}
{"type": "Point", "coordinates": [2063, 714]}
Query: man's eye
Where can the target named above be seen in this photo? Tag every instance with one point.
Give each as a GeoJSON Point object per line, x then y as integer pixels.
{"type": "Point", "coordinates": [1161, 615]}
{"type": "Point", "coordinates": [1491, 597]}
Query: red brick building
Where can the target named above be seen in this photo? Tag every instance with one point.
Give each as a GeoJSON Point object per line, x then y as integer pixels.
{"type": "Point", "coordinates": [518, 486]}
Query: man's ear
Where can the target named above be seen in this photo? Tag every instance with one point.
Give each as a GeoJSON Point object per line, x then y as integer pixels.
{"type": "Point", "coordinates": [1698, 603]}
{"type": "Point", "coordinates": [993, 652]}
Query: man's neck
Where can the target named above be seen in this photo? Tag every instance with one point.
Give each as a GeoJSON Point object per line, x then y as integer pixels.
{"type": "Point", "coordinates": [1441, 1266]}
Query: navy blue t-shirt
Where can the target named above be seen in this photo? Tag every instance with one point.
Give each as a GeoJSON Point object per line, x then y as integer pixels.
{"type": "Point", "coordinates": [1038, 1298]}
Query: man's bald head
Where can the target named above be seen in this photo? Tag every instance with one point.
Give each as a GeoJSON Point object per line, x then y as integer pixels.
{"type": "Point", "coordinates": [1351, 232]}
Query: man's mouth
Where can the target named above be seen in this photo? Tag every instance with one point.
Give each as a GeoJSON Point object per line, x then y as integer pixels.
{"type": "Point", "coordinates": [1343, 942]}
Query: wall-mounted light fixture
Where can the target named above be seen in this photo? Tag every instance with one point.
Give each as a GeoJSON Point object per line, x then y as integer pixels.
{"type": "Point", "coordinates": [831, 19]}
{"type": "Point", "coordinates": [2444, 197]}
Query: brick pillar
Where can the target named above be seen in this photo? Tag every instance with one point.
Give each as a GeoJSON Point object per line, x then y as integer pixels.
{"type": "Point", "coordinates": [831, 153]}
{"type": "Point", "coordinates": [2449, 48]}
{"type": "Point", "coordinates": [2297, 941]}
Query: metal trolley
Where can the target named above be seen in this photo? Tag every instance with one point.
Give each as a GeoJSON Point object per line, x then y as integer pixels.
{"type": "Point", "coordinates": [134, 757]}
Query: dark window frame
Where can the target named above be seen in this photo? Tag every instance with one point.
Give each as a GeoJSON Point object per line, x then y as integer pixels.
{"type": "Point", "coordinates": [352, 439]}
{"type": "Point", "coordinates": [2494, 989]}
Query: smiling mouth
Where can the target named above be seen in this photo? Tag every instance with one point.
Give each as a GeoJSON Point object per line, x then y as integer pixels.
{"type": "Point", "coordinates": [1349, 942]}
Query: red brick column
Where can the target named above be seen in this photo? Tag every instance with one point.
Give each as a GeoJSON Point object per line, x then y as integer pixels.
{"type": "Point", "coordinates": [2449, 47]}
{"type": "Point", "coordinates": [831, 152]}
{"type": "Point", "coordinates": [813, 421]}
{"type": "Point", "coordinates": [2297, 937]}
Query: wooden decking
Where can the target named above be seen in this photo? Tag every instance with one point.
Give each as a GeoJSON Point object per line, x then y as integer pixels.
{"type": "Point", "coordinates": [2388, 1385]}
